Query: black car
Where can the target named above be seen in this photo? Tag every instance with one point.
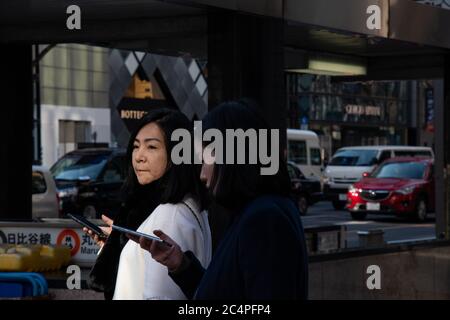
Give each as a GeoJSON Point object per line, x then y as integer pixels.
{"type": "Point", "coordinates": [89, 181]}
{"type": "Point", "coordinates": [306, 191]}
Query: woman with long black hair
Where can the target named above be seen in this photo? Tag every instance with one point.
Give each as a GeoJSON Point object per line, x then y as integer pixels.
{"type": "Point", "coordinates": [158, 194]}
{"type": "Point", "coordinates": [263, 253]}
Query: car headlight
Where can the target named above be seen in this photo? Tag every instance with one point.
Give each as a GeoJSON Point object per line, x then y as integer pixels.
{"type": "Point", "coordinates": [68, 192]}
{"type": "Point", "coordinates": [325, 180]}
{"type": "Point", "coordinates": [352, 189]}
{"type": "Point", "coordinates": [405, 191]}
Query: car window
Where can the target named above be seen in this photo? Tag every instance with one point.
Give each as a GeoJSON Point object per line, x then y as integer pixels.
{"type": "Point", "coordinates": [316, 159]}
{"type": "Point", "coordinates": [297, 152]}
{"type": "Point", "coordinates": [114, 171]}
{"type": "Point", "coordinates": [401, 170]}
{"type": "Point", "coordinates": [71, 167]}
{"type": "Point", "coordinates": [38, 183]}
{"type": "Point", "coordinates": [412, 153]}
{"type": "Point", "coordinates": [385, 155]}
{"type": "Point", "coordinates": [291, 172]}
{"type": "Point", "coordinates": [354, 158]}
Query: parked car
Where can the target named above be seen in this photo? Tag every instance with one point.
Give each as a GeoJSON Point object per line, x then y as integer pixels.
{"type": "Point", "coordinates": [45, 200]}
{"type": "Point", "coordinates": [89, 181]}
{"type": "Point", "coordinates": [306, 191]}
{"type": "Point", "coordinates": [348, 164]}
{"type": "Point", "coordinates": [400, 186]}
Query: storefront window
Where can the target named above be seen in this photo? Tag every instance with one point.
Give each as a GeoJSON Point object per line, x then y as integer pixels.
{"type": "Point", "coordinates": [377, 103]}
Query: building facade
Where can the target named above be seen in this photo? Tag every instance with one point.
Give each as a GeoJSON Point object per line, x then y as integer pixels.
{"type": "Point", "coordinates": [90, 94]}
{"type": "Point", "coordinates": [351, 114]}
{"type": "Point", "coordinates": [74, 106]}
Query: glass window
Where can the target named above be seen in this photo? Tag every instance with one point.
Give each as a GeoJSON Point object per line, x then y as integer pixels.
{"type": "Point", "coordinates": [385, 155]}
{"type": "Point", "coordinates": [401, 170]}
{"type": "Point", "coordinates": [38, 183]}
{"type": "Point", "coordinates": [114, 171]}
{"type": "Point", "coordinates": [316, 159]}
{"type": "Point", "coordinates": [71, 167]}
{"type": "Point", "coordinates": [354, 158]}
{"type": "Point", "coordinates": [412, 153]}
{"type": "Point", "coordinates": [291, 172]}
{"type": "Point", "coordinates": [297, 152]}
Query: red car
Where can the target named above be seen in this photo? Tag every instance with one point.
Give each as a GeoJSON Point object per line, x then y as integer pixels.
{"type": "Point", "coordinates": [400, 186]}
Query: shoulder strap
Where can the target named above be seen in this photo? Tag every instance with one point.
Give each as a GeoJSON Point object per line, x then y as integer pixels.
{"type": "Point", "coordinates": [195, 216]}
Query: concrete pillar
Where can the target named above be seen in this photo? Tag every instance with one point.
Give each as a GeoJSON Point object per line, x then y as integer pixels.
{"type": "Point", "coordinates": [246, 59]}
{"type": "Point", "coordinates": [442, 136]}
{"type": "Point", "coordinates": [16, 124]}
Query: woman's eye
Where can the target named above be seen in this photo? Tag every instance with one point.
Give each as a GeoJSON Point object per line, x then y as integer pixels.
{"type": "Point", "coordinates": [152, 147]}
{"type": "Point", "coordinates": [135, 147]}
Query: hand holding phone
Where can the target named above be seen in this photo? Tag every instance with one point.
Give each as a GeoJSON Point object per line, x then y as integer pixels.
{"type": "Point", "coordinates": [89, 225]}
{"type": "Point", "coordinates": [171, 257]}
{"type": "Point", "coordinates": [98, 234]}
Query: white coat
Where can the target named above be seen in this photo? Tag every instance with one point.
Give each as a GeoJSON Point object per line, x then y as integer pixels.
{"type": "Point", "coordinates": [139, 276]}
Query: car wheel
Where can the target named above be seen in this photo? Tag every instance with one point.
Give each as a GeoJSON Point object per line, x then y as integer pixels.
{"type": "Point", "coordinates": [421, 209]}
{"type": "Point", "coordinates": [303, 205]}
{"type": "Point", "coordinates": [358, 215]}
{"type": "Point", "coordinates": [338, 205]}
{"type": "Point", "coordinates": [90, 212]}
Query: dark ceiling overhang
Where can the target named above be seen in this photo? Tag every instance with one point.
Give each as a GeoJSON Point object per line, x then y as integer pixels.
{"type": "Point", "coordinates": [408, 29]}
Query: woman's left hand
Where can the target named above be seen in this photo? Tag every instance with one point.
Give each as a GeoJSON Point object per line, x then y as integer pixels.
{"type": "Point", "coordinates": [171, 257]}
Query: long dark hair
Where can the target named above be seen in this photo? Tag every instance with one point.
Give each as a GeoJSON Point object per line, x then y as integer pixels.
{"type": "Point", "coordinates": [179, 179]}
{"type": "Point", "coordinates": [234, 185]}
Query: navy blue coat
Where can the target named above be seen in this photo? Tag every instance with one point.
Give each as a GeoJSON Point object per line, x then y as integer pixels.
{"type": "Point", "coordinates": [262, 256]}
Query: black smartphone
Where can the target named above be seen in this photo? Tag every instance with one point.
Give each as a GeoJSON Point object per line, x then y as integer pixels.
{"type": "Point", "coordinates": [86, 223]}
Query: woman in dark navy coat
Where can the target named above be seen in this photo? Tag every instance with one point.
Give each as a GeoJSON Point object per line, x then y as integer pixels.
{"type": "Point", "coordinates": [262, 254]}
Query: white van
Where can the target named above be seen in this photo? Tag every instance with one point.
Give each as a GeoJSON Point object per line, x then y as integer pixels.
{"type": "Point", "coordinates": [303, 149]}
{"type": "Point", "coordinates": [348, 164]}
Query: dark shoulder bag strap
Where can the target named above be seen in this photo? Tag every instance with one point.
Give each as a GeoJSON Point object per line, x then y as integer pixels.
{"type": "Point", "coordinates": [195, 216]}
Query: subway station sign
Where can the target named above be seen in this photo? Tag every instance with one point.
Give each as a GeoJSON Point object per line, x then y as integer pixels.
{"type": "Point", "coordinates": [83, 248]}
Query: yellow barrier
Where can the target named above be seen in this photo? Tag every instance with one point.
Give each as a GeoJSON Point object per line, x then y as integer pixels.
{"type": "Point", "coordinates": [33, 258]}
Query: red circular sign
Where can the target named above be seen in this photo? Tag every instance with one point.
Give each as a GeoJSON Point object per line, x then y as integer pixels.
{"type": "Point", "coordinates": [68, 234]}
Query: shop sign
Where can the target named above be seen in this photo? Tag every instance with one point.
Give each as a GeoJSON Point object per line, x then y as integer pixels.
{"type": "Point", "coordinates": [354, 109]}
{"type": "Point", "coordinates": [429, 110]}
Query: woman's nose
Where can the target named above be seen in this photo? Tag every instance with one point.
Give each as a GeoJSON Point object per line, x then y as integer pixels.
{"type": "Point", "coordinates": [139, 155]}
{"type": "Point", "coordinates": [204, 175]}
